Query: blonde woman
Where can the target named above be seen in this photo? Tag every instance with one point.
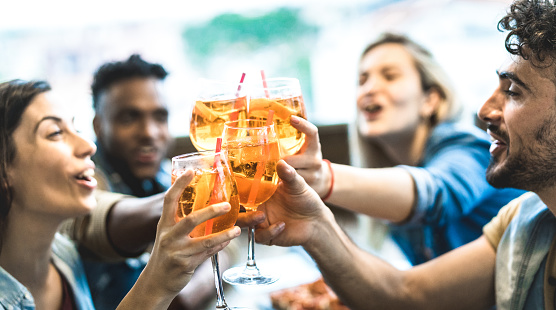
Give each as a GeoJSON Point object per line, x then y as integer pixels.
{"type": "Point", "coordinates": [421, 170]}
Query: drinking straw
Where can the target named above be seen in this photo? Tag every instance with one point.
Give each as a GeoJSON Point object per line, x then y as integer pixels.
{"type": "Point", "coordinates": [269, 118]}
{"type": "Point", "coordinates": [260, 167]}
{"type": "Point", "coordinates": [233, 115]}
{"type": "Point", "coordinates": [265, 86]}
{"type": "Point", "coordinates": [213, 199]}
{"type": "Point", "coordinates": [240, 82]}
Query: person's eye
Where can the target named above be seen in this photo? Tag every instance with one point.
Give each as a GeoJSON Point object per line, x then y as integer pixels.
{"type": "Point", "coordinates": [362, 79]}
{"type": "Point", "coordinates": [510, 93]}
{"type": "Point", "coordinates": [161, 117]}
{"type": "Point", "coordinates": [55, 133]}
{"type": "Point", "coordinates": [127, 118]}
{"type": "Point", "coordinates": [390, 76]}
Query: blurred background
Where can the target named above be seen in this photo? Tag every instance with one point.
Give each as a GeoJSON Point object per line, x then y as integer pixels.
{"type": "Point", "coordinates": [317, 41]}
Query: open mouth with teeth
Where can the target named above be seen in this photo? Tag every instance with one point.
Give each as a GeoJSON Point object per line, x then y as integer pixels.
{"type": "Point", "coordinates": [86, 175]}
{"type": "Point", "coordinates": [372, 108]}
{"type": "Point", "coordinates": [147, 155]}
{"type": "Point", "coordinates": [147, 149]}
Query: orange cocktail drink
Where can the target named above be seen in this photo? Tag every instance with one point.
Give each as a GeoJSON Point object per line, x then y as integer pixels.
{"type": "Point", "coordinates": [211, 184]}
{"type": "Point", "coordinates": [253, 151]}
{"type": "Point", "coordinates": [253, 164]}
{"type": "Point", "coordinates": [291, 139]}
{"type": "Point", "coordinates": [208, 118]}
{"type": "Point", "coordinates": [216, 103]}
{"type": "Point", "coordinates": [283, 96]}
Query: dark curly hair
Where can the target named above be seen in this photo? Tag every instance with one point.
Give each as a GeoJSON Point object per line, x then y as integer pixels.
{"type": "Point", "coordinates": [15, 97]}
{"type": "Point", "coordinates": [532, 29]}
{"type": "Point", "coordinates": [117, 71]}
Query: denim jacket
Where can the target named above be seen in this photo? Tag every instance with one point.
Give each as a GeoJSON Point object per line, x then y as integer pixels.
{"type": "Point", "coordinates": [454, 200]}
{"type": "Point", "coordinates": [13, 295]}
{"type": "Point", "coordinates": [521, 258]}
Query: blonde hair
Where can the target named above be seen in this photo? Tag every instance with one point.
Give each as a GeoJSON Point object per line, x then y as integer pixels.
{"type": "Point", "coordinates": [433, 78]}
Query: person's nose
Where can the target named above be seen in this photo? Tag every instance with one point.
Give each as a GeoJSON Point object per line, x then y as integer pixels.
{"type": "Point", "coordinates": [84, 146]}
{"type": "Point", "coordinates": [150, 128]}
{"type": "Point", "coordinates": [371, 85]}
{"type": "Point", "coordinates": [491, 112]}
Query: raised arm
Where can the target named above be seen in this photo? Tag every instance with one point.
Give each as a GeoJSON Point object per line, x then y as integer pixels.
{"type": "Point", "coordinates": [365, 191]}
{"type": "Point", "coordinates": [462, 279]}
{"type": "Point", "coordinates": [175, 255]}
{"type": "Point", "coordinates": [124, 226]}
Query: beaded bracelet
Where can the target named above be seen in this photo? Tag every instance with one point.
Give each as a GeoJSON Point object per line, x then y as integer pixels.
{"type": "Point", "coordinates": [331, 180]}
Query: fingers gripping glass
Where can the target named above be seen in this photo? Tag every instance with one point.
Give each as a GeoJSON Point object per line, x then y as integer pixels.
{"type": "Point", "coordinates": [212, 183]}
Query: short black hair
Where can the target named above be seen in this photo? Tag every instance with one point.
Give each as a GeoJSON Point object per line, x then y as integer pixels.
{"type": "Point", "coordinates": [113, 72]}
{"type": "Point", "coordinates": [531, 24]}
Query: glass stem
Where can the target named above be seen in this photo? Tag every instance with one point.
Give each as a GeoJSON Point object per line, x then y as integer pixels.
{"type": "Point", "coordinates": [220, 301]}
{"type": "Point", "coordinates": [251, 249]}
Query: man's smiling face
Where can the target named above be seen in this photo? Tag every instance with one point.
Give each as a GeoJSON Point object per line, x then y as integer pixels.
{"type": "Point", "coordinates": [521, 118]}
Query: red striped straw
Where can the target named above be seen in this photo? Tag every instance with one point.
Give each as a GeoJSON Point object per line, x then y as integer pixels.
{"type": "Point", "coordinates": [264, 84]}
{"type": "Point", "coordinates": [233, 115]}
{"type": "Point", "coordinates": [260, 167]}
{"type": "Point", "coordinates": [213, 199]}
{"type": "Point", "coordinates": [240, 82]}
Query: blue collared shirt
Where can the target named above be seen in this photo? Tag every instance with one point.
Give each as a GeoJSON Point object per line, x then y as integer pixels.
{"type": "Point", "coordinates": [454, 200]}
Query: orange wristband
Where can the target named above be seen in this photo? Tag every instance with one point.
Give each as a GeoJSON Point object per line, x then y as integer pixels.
{"type": "Point", "coordinates": [331, 180]}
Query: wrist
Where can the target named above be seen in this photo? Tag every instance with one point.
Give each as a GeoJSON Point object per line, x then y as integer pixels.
{"type": "Point", "coordinates": [323, 231]}
{"type": "Point", "coordinates": [331, 182]}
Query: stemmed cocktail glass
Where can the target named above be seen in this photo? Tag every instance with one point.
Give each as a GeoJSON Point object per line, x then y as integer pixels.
{"type": "Point", "coordinates": [253, 151]}
{"type": "Point", "coordinates": [283, 96]}
{"type": "Point", "coordinates": [216, 103]}
{"type": "Point", "coordinates": [212, 183]}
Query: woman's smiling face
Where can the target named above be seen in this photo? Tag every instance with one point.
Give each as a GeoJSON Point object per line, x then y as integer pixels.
{"type": "Point", "coordinates": [52, 172]}
{"type": "Point", "coordinates": [390, 97]}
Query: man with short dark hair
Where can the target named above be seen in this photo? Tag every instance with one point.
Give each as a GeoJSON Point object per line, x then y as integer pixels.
{"type": "Point", "coordinates": [131, 126]}
{"type": "Point", "coordinates": [513, 264]}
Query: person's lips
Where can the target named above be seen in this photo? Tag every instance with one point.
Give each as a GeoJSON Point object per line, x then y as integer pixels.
{"type": "Point", "coordinates": [498, 145]}
{"type": "Point", "coordinates": [371, 111]}
{"type": "Point", "coordinates": [147, 154]}
{"type": "Point", "coordinates": [86, 178]}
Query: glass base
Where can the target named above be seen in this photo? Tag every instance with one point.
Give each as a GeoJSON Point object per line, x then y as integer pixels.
{"type": "Point", "coordinates": [247, 276]}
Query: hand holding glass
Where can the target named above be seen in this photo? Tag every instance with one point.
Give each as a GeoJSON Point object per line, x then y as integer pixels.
{"type": "Point", "coordinates": [212, 183]}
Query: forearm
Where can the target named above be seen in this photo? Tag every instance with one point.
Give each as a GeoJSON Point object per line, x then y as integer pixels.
{"type": "Point", "coordinates": [461, 279]}
{"type": "Point", "coordinates": [361, 280]}
{"type": "Point", "coordinates": [131, 224]}
{"type": "Point", "coordinates": [143, 295]}
{"type": "Point", "coordinates": [386, 193]}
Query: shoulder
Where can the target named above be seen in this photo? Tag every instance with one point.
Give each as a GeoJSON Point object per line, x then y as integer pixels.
{"type": "Point", "coordinates": [458, 132]}
{"type": "Point", "coordinates": [494, 230]}
{"type": "Point", "coordinates": [13, 295]}
{"type": "Point", "coordinates": [65, 249]}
